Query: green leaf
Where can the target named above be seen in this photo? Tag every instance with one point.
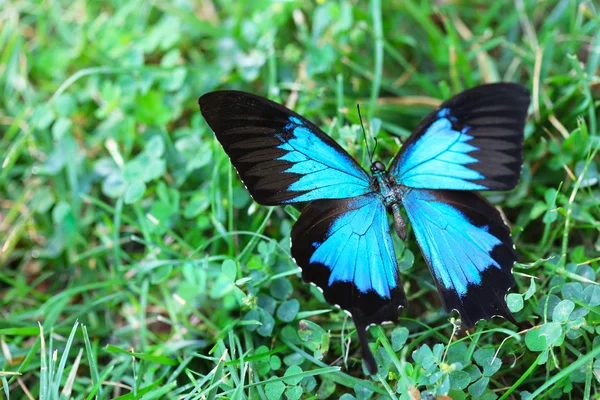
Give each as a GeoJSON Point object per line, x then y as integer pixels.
{"type": "Point", "coordinates": [288, 310]}
{"type": "Point", "coordinates": [538, 209]}
{"type": "Point", "coordinates": [562, 311]}
{"type": "Point", "coordinates": [293, 370]}
{"type": "Point", "coordinates": [154, 170]}
{"type": "Point", "coordinates": [281, 288]}
{"type": "Point", "coordinates": [326, 389]}
{"type": "Point", "coordinates": [591, 295]}
{"type": "Point", "coordinates": [473, 372]}
{"type": "Point", "coordinates": [399, 336]}
{"type": "Point", "coordinates": [362, 392]}
{"type": "Point", "coordinates": [268, 323]}
{"type": "Point", "coordinates": [65, 105]}
{"type": "Point", "coordinates": [407, 260]}
{"type": "Point", "coordinates": [550, 215]}
{"type": "Point", "coordinates": [266, 248]}
{"type": "Point", "coordinates": [293, 359]}
{"type": "Point", "coordinates": [60, 212]}
{"type": "Point", "coordinates": [290, 334]}
{"type": "Point", "coordinates": [591, 176]}
{"type": "Point", "coordinates": [436, 376]}
{"type": "Point", "coordinates": [275, 362]}
{"type": "Point", "coordinates": [309, 331]}
{"type": "Point", "coordinates": [444, 386]}
{"type": "Point", "coordinates": [438, 351]}
{"type": "Point", "coordinates": [159, 275]}
{"type": "Point", "coordinates": [262, 354]}
{"type": "Point", "coordinates": [251, 320]}
{"type": "Point", "coordinates": [249, 64]}
{"type": "Point", "coordinates": [229, 270]}
{"type": "Point", "coordinates": [547, 304]}
{"type": "Point", "coordinates": [197, 204]}
{"type": "Point", "coordinates": [134, 192]}
{"type": "Point", "coordinates": [323, 347]}
{"type": "Point", "coordinates": [134, 170]}
{"type": "Point", "coordinates": [61, 128]}
{"type": "Point", "coordinates": [309, 383]}
{"type": "Point", "coordinates": [534, 341]}
{"type": "Point", "coordinates": [113, 185]}
{"type": "Point", "coordinates": [58, 158]}
{"type": "Point", "coordinates": [151, 110]}
{"type": "Point", "coordinates": [274, 390]}
{"type": "Point", "coordinates": [543, 359]}
{"type": "Point", "coordinates": [514, 302]}
{"type": "Point", "coordinates": [572, 290]}
{"type": "Point", "coordinates": [457, 353]}
{"type": "Point", "coordinates": [221, 287]}
{"type": "Point", "coordinates": [553, 333]}
{"type": "Point", "coordinates": [457, 395]}
{"type": "Point", "coordinates": [196, 152]}
{"type": "Point", "coordinates": [267, 303]}
{"type": "Point", "coordinates": [485, 358]}
{"type": "Point", "coordinates": [459, 380]}
{"type": "Point", "coordinates": [155, 146]}
{"type": "Point", "coordinates": [531, 291]}
{"type": "Point", "coordinates": [479, 387]}
{"type": "Point", "coordinates": [424, 356]}
{"type": "Point", "coordinates": [293, 393]}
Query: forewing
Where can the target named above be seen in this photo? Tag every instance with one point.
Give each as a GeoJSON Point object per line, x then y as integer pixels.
{"type": "Point", "coordinates": [345, 248]}
{"type": "Point", "coordinates": [474, 141]}
{"type": "Point", "coordinates": [280, 156]}
{"type": "Point", "coordinates": [468, 249]}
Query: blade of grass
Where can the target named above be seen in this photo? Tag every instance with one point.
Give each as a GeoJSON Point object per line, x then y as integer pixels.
{"type": "Point", "coordinates": [375, 9]}
{"type": "Point", "coordinates": [563, 373]}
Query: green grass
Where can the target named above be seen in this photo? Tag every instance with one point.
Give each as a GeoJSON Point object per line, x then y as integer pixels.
{"type": "Point", "coordinates": [133, 263]}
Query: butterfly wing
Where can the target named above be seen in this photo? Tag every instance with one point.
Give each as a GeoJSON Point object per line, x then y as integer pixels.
{"type": "Point", "coordinates": [345, 248]}
{"type": "Point", "coordinates": [280, 156]}
{"type": "Point", "coordinates": [474, 141]}
{"type": "Point", "coordinates": [468, 249]}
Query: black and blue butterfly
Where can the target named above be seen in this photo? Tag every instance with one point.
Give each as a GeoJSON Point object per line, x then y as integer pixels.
{"type": "Point", "coordinates": [342, 241]}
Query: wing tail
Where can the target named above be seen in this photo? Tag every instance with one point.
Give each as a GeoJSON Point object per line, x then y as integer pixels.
{"type": "Point", "coordinates": [367, 354]}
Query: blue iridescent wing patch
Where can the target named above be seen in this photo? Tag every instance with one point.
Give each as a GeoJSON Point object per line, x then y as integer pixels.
{"type": "Point", "coordinates": [280, 156]}
{"type": "Point", "coordinates": [474, 141]}
{"type": "Point", "coordinates": [345, 248]}
{"type": "Point", "coordinates": [468, 249]}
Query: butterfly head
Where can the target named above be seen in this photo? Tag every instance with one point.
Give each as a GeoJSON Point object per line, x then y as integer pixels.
{"type": "Point", "coordinates": [377, 168]}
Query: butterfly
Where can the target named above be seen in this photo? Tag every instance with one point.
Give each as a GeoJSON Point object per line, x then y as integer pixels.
{"type": "Point", "coordinates": [342, 239]}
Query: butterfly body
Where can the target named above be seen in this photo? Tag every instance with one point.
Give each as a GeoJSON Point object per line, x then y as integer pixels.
{"type": "Point", "coordinates": [391, 195]}
{"type": "Point", "coordinates": [342, 240]}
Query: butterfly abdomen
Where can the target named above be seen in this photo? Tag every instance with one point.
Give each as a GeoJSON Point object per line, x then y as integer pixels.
{"type": "Point", "coordinates": [391, 195]}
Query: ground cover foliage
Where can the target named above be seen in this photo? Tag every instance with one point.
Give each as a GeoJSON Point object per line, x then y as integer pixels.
{"type": "Point", "coordinates": [133, 262]}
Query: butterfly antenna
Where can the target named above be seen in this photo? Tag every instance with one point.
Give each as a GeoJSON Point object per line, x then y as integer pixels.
{"type": "Point", "coordinates": [374, 148]}
{"type": "Point", "coordinates": [365, 135]}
